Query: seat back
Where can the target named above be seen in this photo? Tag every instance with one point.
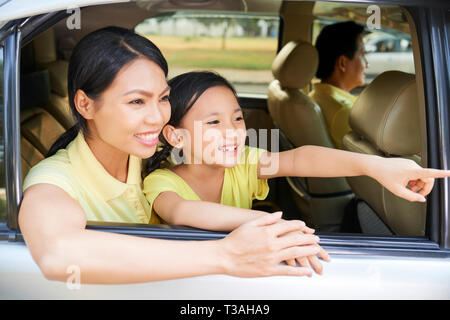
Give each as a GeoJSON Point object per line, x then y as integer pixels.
{"type": "Point", "coordinates": [300, 119]}
{"type": "Point", "coordinates": [45, 55]}
{"type": "Point", "coordinates": [385, 122]}
{"type": "Point", "coordinates": [39, 130]}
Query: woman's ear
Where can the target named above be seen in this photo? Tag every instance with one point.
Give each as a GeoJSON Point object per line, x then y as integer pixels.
{"type": "Point", "coordinates": [84, 104]}
{"type": "Point", "coordinates": [172, 136]}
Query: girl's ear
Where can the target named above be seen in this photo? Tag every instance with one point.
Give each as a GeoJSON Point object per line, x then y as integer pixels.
{"type": "Point", "coordinates": [84, 104]}
{"type": "Point", "coordinates": [172, 136]}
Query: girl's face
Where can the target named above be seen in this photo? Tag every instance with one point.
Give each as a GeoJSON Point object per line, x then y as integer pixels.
{"type": "Point", "coordinates": [132, 111]}
{"type": "Point", "coordinates": [214, 129]}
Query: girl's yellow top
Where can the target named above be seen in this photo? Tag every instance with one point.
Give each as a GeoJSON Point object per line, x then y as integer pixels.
{"type": "Point", "coordinates": [240, 184]}
{"type": "Point", "coordinates": [102, 197]}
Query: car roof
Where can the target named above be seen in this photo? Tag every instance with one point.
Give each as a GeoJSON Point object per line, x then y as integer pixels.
{"type": "Point", "coordinates": [14, 9]}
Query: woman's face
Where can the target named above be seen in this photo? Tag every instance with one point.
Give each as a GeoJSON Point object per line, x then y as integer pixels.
{"type": "Point", "coordinates": [131, 112]}
{"type": "Point", "coordinates": [214, 129]}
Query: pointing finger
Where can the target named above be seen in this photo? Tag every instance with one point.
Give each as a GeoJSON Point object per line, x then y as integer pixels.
{"type": "Point", "coordinates": [434, 173]}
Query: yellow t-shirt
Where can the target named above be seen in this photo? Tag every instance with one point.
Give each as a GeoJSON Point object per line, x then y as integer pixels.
{"type": "Point", "coordinates": [102, 197]}
{"type": "Point", "coordinates": [335, 104]}
{"type": "Point", "coordinates": [240, 184]}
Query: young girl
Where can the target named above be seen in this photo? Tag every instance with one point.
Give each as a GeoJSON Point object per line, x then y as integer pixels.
{"type": "Point", "coordinates": [208, 129]}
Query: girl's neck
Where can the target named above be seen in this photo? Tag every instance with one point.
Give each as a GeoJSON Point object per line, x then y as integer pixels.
{"type": "Point", "coordinates": [205, 180]}
{"type": "Point", "coordinates": [114, 161]}
{"type": "Point", "coordinates": [200, 172]}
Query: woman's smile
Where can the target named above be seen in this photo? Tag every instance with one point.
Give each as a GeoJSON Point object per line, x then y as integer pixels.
{"type": "Point", "coordinates": [148, 138]}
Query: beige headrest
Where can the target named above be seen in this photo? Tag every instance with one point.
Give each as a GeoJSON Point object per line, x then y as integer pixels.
{"type": "Point", "coordinates": [296, 64]}
{"type": "Point", "coordinates": [46, 57]}
{"type": "Point", "coordinates": [387, 114]}
{"type": "Point", "coordinates": [45, 47]}
{"type": "Point", "coordinates": [58, 71]}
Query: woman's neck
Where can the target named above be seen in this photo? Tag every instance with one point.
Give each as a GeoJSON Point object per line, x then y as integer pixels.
{"type": "Point", "coordinates": [114, 161]}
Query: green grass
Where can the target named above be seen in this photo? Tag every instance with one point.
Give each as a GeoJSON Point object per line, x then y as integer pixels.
{"type": "Point", "coordinates": [211, 59]}
{"type": "Point", "coordinates": [207, 52]}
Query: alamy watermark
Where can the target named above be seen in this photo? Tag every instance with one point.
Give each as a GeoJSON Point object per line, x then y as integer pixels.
{"type": "Point", "coordinates": [373, 22]}
{"type": "Point", "coordinates": [74, 20]}
{"type": "Point", "coordinates": [73, 282]}
{"type": "Point", "coordinates": [213, 146]}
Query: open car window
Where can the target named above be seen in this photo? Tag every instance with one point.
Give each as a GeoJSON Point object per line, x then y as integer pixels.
{"type": "Point", "coordinates": [241, 46]}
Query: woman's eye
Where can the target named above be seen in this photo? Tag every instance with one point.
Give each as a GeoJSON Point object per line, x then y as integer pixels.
{"type": "Point", "coordinates": [165, 99]}
{"type": "Point", "coordinates": [239, 118]}
{"type": "Point", "coordinates": [137, 101]}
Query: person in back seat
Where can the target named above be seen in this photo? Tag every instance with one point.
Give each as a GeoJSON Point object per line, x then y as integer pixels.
{"type": "Point", "coordinates": [341, 68]}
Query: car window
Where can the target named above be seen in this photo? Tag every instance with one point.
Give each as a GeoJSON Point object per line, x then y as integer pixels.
{"type": "Point", "coordinates": [2, 144]}
{"type": "Point", "coordinates": [387, 46]}
{"type": "Point", "coordinates": [240, 47]}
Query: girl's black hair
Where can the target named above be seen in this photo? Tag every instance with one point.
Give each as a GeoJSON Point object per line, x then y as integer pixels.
{"type": "Point", "coordinates": [94, 64]}
{"type": "Point", "coordinates": [185, 90]}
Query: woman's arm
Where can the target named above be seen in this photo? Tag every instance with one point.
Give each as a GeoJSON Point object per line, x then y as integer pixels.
{"type": "Point", "coordinates": [54, 228]}
{"type": "Point", "coordinates": [402, 177]}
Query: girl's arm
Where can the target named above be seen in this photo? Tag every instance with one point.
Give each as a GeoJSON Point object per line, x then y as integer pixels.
{"type": "Point", "coordinates": [201, 214]}
{"type": "Point", "coordinates": [54, 228]}
{"type": "Point", "coordinates": [403, 177]}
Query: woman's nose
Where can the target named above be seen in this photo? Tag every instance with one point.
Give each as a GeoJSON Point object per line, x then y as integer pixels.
{"type": "Point", "coordinates": [155, 115]}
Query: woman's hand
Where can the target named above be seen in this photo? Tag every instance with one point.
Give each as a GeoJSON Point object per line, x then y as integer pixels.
{"type": "Point", "coordinates": [258, 247]}
{"type": "Point", "coordinates": [313, 260]}
{"type": "Point", "coordinates": [404, 177]}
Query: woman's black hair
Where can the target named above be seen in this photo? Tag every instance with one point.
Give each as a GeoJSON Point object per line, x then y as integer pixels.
{"type": "Point", "coordinates": [333, 41]}
{"type": "Point", "coordinates": [94, 64]}
{"type": "Point", "coordinates": [185, 89]}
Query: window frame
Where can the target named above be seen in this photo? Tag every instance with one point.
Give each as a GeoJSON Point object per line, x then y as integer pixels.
{"type": "Point", "coordinates": [437, 245]}
{"type": "Point", "coordinates": [11, 124]}
{"type": "Point", "coordinates": [3, 224]}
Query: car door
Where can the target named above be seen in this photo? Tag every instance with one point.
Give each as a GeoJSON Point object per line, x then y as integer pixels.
{"type": "Point", "coordinates": [362, 266]}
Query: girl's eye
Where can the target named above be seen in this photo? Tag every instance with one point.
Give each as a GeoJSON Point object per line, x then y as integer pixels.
{"type": "Point", "coordinates": [213, 122]}
{"type": "Point", "coordinates": [137, 101]}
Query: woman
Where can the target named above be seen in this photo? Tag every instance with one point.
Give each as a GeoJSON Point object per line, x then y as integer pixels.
{"type": "Point", "coordinates": [119, 95]}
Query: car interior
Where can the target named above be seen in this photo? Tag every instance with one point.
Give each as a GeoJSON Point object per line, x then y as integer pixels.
{"type": "Point", "coordinates": [387, 119]}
